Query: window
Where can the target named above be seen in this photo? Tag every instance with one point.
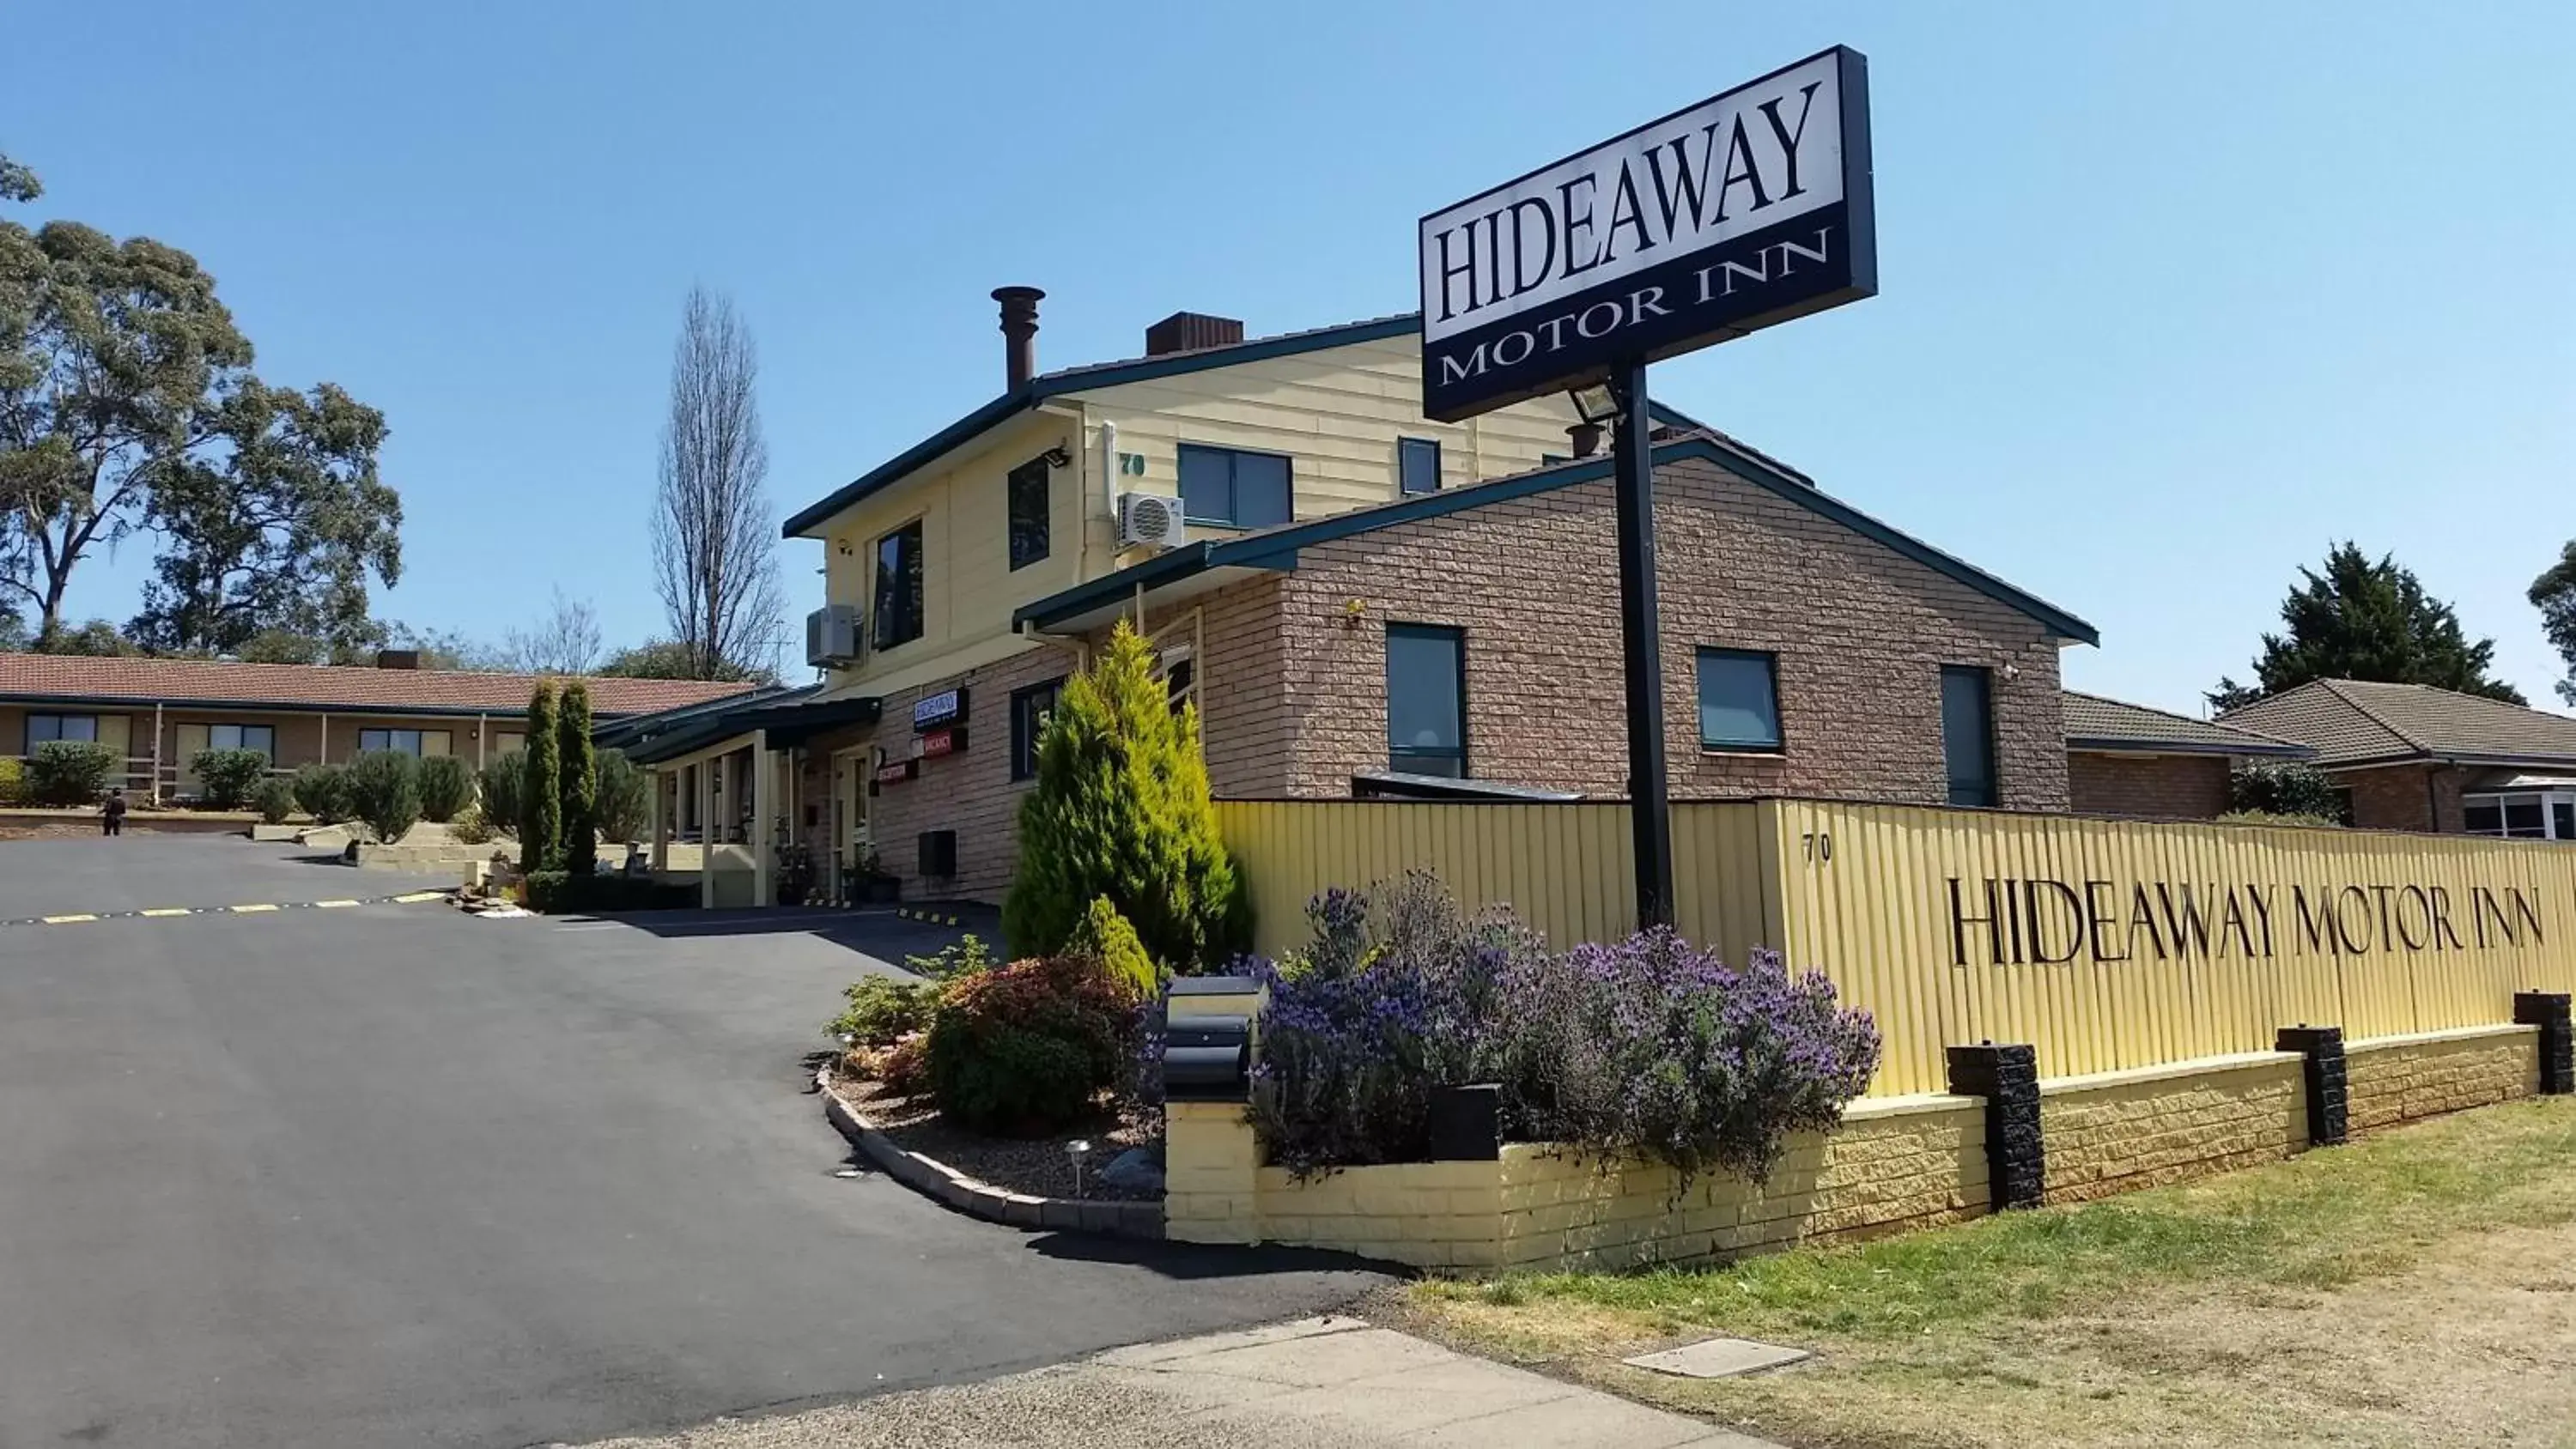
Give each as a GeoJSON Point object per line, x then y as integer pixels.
{"type": "Point", "coordinates": [504, 741]}
{"type": "Point", "coordinates": [1739, 700]}
{"type": "Point", "coordinates": [1233, 488]}
{"type": "Point", "coordinates": [2482, 816]}
{"type": "Point", "coordinates": [2562, 818]}
{"type": "Point", "coordinates": [47, 728]}
{"type": "Point", "coordinates": [1029, 710]}
{"type": "Point", "coordinates": [1968, 734]}
{"type": "Point", "coordinates": [262, 738]}
{"type": "Point", "coordinates": [1027, 487]}
{"type": "Point", "coordinates": [898, 611]}
{"type": "Point", "coordinates": [1426, 700]}
{"type": "Point", "coordinates": [1417, 465]}
{"type": "Point", "coordinates": [403, 742]}
{"type": "Point", "coordinates": [2520, 817]}
{"type": "Point", "coordinates": [1178, 678]}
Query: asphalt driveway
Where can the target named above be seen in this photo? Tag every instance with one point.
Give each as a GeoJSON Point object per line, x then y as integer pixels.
{"type": "Point", "coordinates": [392, 1175]}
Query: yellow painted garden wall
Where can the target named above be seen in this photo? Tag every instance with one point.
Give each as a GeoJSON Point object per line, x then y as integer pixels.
{"type": "Point", "coordinates": [2108, 944]}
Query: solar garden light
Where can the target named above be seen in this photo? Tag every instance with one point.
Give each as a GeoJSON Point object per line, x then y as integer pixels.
{"type": "Point", "coordinates": [1077, 1150]}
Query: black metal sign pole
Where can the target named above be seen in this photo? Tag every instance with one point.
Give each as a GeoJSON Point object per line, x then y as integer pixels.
{"type": "Point", "coordinates": [1650, 814]}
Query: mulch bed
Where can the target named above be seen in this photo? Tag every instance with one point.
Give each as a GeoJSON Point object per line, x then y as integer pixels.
{"type": "Point", "coordinates": [1034, 1165]}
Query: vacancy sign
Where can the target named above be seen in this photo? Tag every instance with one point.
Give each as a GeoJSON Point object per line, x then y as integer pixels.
{"type": "Point", "coordinates": [1747, 209]}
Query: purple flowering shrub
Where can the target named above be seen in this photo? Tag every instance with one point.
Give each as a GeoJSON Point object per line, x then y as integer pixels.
{"type": "Point", "coordinates": [1647, 1047]}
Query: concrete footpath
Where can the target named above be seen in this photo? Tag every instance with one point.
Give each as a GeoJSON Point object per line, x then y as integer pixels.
{"type": "Point", "coordinates": [1318, 1383]}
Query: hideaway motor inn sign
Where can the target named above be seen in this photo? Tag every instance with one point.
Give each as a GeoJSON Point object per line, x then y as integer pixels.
{"type": "Point", "coordinates": [1748, 209]}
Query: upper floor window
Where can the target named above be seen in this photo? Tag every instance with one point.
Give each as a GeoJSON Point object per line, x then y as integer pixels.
{"type": "Point", "coordinates": [262, 738]}
{"type": "Point", "coordinates": [1027, 487]}
{"type": "Point", "coordinates": [1426, 700]}
{"type": "Point", "coordinates": [1029, 710]}
{"type": "Point", "coordinates": [44, 729]}
{"type": "Point", "coordinates": [1968, 733]}
{"type": "Point", "coordinates": [1739, 700]}
{"type": "Point", "coordinates": [898, 602]}
{"type": "Point", "coordinates": [1417, 465]}
{"type": "Point", "coordinates": [1233, 488]}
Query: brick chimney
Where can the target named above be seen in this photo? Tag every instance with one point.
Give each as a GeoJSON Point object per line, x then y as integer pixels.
{"type": "Point", "coordinates": [1190, 331]}
{"type": "Point", "coordinates": [1019, 333]}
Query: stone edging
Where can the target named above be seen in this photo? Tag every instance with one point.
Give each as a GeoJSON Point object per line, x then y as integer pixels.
{"type": "Point", "coordinates": [933, 1178]}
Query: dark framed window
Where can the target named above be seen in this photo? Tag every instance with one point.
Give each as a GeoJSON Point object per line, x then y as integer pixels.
{"type": "Point", "coordinates": [1234, 488]}
{"type": "Point", "coordinates": [1968, 733]}
{"type": "Point", "coordinates": [1027, 503]}
{"type": "Point", "coordinates": [1417, 465]}
{"type": "Point", "coordinates": [1739, 700]}
{"type": "Point", "coordinates": [1029, 710]}
{"type": "Point", "coordinates": [403, 742]}
{"type": "Point", "coordinates": [1178, 678]}
{"type": "Point", "coordinates": [898, 599]}
{"type": "Point", "coordinates": [262, 738]}
{"type": "Point", "coordinates": [1426, 700]}
{"type": "Point", "coordinates": [44, 729]}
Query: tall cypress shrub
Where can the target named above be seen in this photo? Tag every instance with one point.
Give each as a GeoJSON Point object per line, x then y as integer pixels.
{"type": "Point", "coordinates": [541, 798]}
{"type": "Point", "coordinates": [1121, 810]}
{"type": "Point", "coordinates": [580, 773]}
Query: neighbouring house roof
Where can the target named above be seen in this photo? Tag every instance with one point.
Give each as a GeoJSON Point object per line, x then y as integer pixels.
{"type": "Point", "coordinates": [2352, 722]}
{"type": "Point", "coordinates": [1113, 374]}
{"type": "Point", "coordinates": [83, 680]}
{"type": "Point", "coordinates": [1212, 562]}
{"type": "Point", "coordinates": [2098, 725]}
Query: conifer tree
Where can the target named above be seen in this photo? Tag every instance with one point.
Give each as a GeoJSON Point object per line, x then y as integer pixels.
{"type": "Point", "coordinates": [580, 781]}
{"type": "Point", "coordinates": [541, 798]}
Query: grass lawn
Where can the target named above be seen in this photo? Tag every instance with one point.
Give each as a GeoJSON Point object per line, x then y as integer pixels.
{"type": "Point", "coordinates": [2417, 1287]}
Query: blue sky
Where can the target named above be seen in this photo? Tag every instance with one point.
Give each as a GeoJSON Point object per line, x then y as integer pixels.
{"type": "Point", "coordinates": [2172, 295]}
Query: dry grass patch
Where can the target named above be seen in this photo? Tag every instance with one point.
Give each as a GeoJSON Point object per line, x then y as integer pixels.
{"type": "Point", "coordinates": [2418, 1287]}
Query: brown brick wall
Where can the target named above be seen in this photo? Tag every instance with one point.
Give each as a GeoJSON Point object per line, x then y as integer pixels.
{"type": "Point", "coordinates": [2404, 797]}
{"type": "Point", "coordinates": [970, 792]}
{"type": "Point", "coordinates": [1860, 631]}
{"type": "Point", "coordinates": [2148, 787]}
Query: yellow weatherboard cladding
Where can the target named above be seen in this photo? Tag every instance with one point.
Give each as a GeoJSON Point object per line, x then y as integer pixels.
{"type": "Point", "coordinates": [2107, 944]}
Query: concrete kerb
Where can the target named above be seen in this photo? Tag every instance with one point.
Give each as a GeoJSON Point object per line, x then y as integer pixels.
{"type": "Point", "coordinates": [935, 1179]}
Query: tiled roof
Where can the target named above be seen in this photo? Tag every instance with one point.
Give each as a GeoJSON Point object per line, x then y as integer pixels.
{"type": "Point", "coordinates": [57, 678]}
{"type": "Point", "coordinates": [2093, 722]}
{"type": "Point", "coordinates": [2351, 722]}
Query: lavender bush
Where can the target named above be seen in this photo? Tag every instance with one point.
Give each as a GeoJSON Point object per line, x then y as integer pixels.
{"type": "Point", "coordinates": [1648, 1047]}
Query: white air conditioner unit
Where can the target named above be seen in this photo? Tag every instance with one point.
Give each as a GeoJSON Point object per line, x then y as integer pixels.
{"type": "Point", "coordinates": [1150, 520]}
{"type": "Point", "coordinates": [833, 634]}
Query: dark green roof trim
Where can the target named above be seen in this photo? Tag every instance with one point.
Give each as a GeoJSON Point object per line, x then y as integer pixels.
{"type": "Point", "coordinates": [794, 718]}
{"type": "Point", "coordinates": [1277, 548]}
{"type": "Point", "coordinates": [1113, 374]}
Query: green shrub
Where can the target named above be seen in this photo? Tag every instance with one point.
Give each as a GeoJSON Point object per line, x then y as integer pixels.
{"type": "Point", "coordinates": [468, 827]}
{"type": "Point", "coordinates": [13, 780]}
{"type": "Point", "coordinates": [1121, 810]}
{"type": "Point", "coordinates": [580, 786]}
{"type": "Point", "coordinates": [625, 799]}
{"type": "Point", "coordinates": [967, 956]}
{"type": "Point", "coordinates": [884, 1009]}
{"type": "Point", "coordinates": [1027, 1049]}
{"type": "Point", "coordinates": [275, 798]}
{"type": "Point", "coordinates": [2285, 787]}
{"type": "Point", "coordinates": [555, 892]}
{"type": "Point", "coordinates": [446, 786]}
{"type": "Point", "coordinates": [1105, 936]}
{"type": "Point", "coordinates": [384, 793]}
{"type": "Point", "coordinates": [540, 789]}
{"type": "Point", "coordinates": [2270, 817]}
{"type": "Point", "coordinates": [323, 792]}
{"type": "Point", "coordinates": [504, 782]}
{"type": "Point", "coordinates": [71, 772]}
{"type": "Point", "coordinates": [226, 778]}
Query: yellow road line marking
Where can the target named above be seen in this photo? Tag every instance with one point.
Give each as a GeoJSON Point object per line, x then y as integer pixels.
{"type": "Point", "coordinates": [67, 920]}
{"type": "Point", "coordinates": [169, 911]}
{"type": "Point", "coordinates": [247, 910]}
{"type": "Point", "coordinates": [332, 905]}
{"type": "Point", "coordinates": [416, 897]}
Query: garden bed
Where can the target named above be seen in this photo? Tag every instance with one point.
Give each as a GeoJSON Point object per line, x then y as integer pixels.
{"type": "Point", "coordinates": [1036, 1166]}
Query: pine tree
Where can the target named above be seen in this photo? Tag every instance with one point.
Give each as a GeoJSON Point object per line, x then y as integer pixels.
{"type": "Point", "coordinates": [1121, 810]}
{"type": "Point", "coordinates": [541, 801]}
{"type": "Point", "coordinates": [580, 781]}
{"type": "Point", "coordinates": [2371, 621]}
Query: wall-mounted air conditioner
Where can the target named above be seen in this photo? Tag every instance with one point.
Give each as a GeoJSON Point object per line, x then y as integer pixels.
{"type": "Point", "coordinates": [833, 635]}
{"type": "Point", "coordinates": [1150, 520]}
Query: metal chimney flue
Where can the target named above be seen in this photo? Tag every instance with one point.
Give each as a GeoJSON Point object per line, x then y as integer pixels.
{"type": "Point", "coordinates": [1019, 332]}
{"type": "Point", "coordinates": [1585, 438]}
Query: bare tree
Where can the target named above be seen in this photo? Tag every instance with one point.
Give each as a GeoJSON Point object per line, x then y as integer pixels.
{"type": "Point", "coordinates": [566, 643]}
{"type": "Point", "coordinates": [715, 544]}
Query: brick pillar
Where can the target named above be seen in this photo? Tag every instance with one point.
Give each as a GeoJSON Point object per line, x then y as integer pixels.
{"type": "Point", "coordinates": [2321, 1051]}
{"type": "Point", "coordinates": [2548, 1011]}
{"type": "Point", "coordinates": [2008, 1078]}
{"type": "Point", "coordinates": [1211, 1167]}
